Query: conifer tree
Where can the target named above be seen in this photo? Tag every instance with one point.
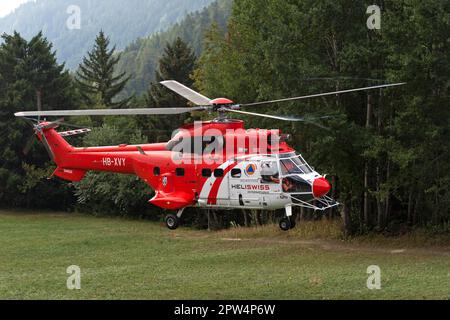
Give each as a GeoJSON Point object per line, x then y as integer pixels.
{"type": "Point", "coordinates": [96, 78]}
{"type": "Point", "coordinates": [30, 79]}
{"type": "Point", "coordinates": [177, 63]}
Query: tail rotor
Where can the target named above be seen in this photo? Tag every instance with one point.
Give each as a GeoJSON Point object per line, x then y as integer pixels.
{"type": "Point", "coordinates": [38, 128]}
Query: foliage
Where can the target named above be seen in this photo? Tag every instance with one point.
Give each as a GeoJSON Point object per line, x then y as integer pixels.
{"type": "Point", "coordinates": [109, 193]}
{"type": "Point", "coordinates": [177, 63]}
{"type": "Point", "coordinates": [26, 69]}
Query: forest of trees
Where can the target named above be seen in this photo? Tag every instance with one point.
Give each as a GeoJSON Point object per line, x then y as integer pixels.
{"type": "Point", "coordinates": [386, 152]}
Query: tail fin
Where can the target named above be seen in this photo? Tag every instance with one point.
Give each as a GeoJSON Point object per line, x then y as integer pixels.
{"type": "Point", "coordinates": [59, 148]}
{"type": "Point", "coordinates": [55, 144]}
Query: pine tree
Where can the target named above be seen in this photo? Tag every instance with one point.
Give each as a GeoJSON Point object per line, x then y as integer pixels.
{"type": "Point", "coordinates": [30, 78]}
{"type": "Point", "coordinates": [96, 78]}
{"type": "Point", "coordinates": [177, 63]}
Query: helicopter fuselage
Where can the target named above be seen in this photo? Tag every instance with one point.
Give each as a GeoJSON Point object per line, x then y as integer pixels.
{"type": "Point", "coordinates": [218, 165]}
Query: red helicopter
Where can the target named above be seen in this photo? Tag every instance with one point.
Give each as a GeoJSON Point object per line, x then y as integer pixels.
{"type": "Point", "coordinates": [215, 164]}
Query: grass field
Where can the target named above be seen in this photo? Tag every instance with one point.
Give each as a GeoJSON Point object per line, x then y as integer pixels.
{"type": "Point", "coordinates": [126, 259]}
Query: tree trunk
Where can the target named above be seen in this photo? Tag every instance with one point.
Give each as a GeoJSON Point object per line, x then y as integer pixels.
{"type": "Point", "coordinates": [410, 207]}
{"type": "Point", "coordinates": [216, 220]}
{"type": "Point", "coordinates": [387, 201]}
{"type": "Point", "coordinates": [380, 211]}
{"type": "Point", "coordinates": [39, 99]}
{"type": "Point", "coordinates": [209, 219]}
{"type": "Point", "coordinates": [366, 168]}
{"type": "Point", "coordinates": [255, 217]}
{"type": "Point", "coordinates": [346, 218]}
{"type": "Point", "coordinates": [245, 218]}
{"type": "Point", "coordinates": [379, 199]}
{"type": "Point", "coordinates": [415, 212]}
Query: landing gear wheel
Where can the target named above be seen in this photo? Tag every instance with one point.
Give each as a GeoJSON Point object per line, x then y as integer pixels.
{"type": "Point", "coordinates": [285, 224]}
{"type": "Point", "coordinates": [172, 221]}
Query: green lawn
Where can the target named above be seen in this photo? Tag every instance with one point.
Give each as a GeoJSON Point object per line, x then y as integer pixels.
{"type": "Point", "coordinates": [124, 259]}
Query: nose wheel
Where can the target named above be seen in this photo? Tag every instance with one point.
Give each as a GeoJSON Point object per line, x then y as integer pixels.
{"type": "Point", "coordinates": [287, 224]}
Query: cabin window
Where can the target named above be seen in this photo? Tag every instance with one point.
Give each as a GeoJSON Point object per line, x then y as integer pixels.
{"type": "Point", "coordinates": [236, 173]}
{"type": "Point", "coordinates": [206, 173]}
{"type": "Point", "coordinates": [156, 171]}
{"type": "Point", "coordinates": [269, 172]}
{"type": "Point", "coordinates": [218, 173]}
{"type": "Point", "coordinates": [179, 172]}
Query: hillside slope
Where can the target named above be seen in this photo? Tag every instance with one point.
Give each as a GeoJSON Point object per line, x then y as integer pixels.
{"type": "Point", "coordinates": [140, 58]}
{"type": "Point", "coordinates": [123, 21]}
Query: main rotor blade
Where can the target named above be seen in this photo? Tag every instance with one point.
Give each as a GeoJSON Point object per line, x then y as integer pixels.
{"type": "Point", "coordinates": [109, 112]}
{"type": "Point", "coordinates": [283, 118]}
{"type": "Point", "coordinates": [265, 115]}
{"type": "Point", "coordinates": [186, 92]}
{"type": "Point", "coordinates": [323, 94]}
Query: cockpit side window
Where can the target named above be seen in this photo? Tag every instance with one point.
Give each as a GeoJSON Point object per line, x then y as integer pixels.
{"type": "Point", "coordinates": [294, 165]}
{"type": "Point", "coordinates": [304, 167]}
{"type": "Point", "coordinates": [289, 167]}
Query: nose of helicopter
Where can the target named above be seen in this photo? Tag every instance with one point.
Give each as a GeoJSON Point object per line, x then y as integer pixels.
{"type": "Point", "coordinates": [321, 187]}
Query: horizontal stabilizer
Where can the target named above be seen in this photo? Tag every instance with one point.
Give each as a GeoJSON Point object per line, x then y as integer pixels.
{"type": "Point", "coordinates": [73, 175]}
{"type": "Point", "coordinates": [74, 132]}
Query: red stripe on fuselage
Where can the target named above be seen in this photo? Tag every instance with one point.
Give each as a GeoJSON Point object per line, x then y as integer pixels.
{"type": "Point", "coordinates": [212, 198]}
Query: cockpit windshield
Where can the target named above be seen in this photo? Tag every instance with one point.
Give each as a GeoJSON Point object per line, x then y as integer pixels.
{"type": "Point", "coordinates": [291, 163]}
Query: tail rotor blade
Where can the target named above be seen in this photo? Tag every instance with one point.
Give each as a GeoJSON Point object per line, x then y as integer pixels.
{"type": "Point", "coordinates": [31, 141]}
{"type": "Point", "coordinates": [47, 147]}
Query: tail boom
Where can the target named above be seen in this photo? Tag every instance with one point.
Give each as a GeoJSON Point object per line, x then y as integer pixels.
{"type": "Point", "coordinates": [73, 163]}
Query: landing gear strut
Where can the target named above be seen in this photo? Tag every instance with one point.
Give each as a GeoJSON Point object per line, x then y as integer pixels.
{"type": "Point", "coordinates": [173, 221]}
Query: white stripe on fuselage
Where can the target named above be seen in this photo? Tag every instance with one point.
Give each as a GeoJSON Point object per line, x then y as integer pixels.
{"type": "Point", "coordinates": [207, 186]}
